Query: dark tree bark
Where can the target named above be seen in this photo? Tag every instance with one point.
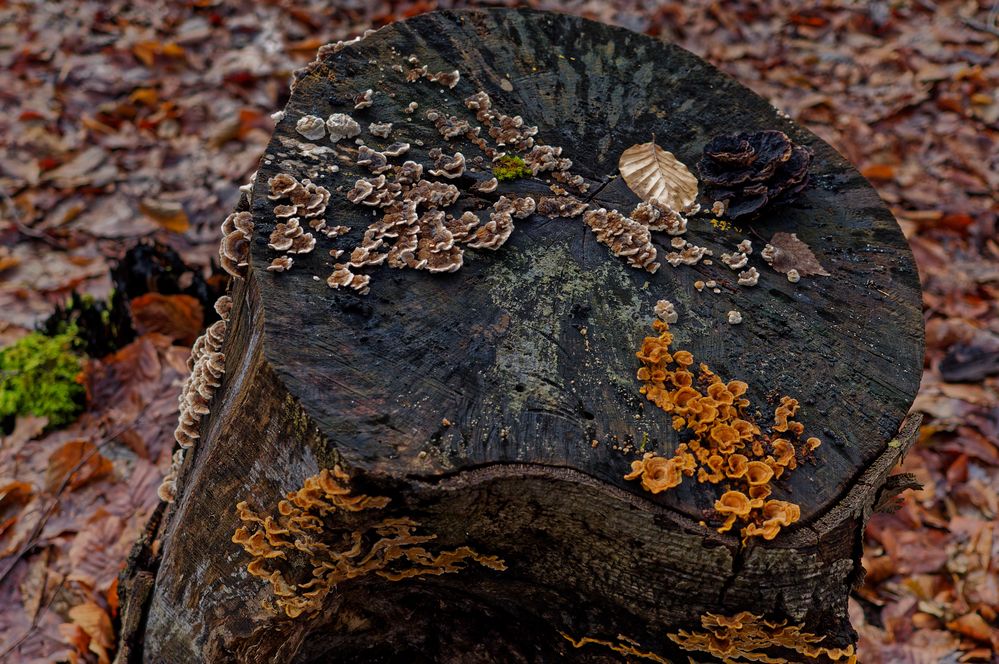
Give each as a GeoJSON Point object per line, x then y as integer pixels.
{"type": "Point", "coordinates": [495, 409]}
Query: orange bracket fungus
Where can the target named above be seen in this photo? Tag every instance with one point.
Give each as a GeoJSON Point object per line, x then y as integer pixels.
{"type": "Point", "coordinates": [726, 446]}
{"type": "Point", "coordinates": [317, 539]}
{"type": "Point", "coordinates": [737, 639]}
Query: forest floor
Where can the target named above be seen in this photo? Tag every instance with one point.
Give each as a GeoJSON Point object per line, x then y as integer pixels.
{"type": "Point", "coordinates": [125, 121]}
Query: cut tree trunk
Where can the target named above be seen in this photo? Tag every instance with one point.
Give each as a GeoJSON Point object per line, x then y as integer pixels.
{"type": "Point", "coordinates": [470, 431]}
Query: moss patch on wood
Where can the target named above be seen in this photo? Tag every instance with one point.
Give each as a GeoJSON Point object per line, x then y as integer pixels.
{"type": "Point", "coordinates": [509, 168]}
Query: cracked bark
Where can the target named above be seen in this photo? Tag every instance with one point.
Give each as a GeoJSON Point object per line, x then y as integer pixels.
{"type": "Point", "coordinates": [316, 378]}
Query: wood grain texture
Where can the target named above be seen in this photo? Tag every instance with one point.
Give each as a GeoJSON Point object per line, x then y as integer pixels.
{"type": "Point", "coordinates": [528, 352]}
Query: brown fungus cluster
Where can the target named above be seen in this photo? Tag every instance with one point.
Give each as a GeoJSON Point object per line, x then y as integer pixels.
{"type": "Point", "coordinates": [626, 237]}
{"type": "Point", "coordinates": [207, 366]}
{"type": "Point", "coordinates": [323, 534]}
{"type": "Point", "coordinates": [234, 249]}
{"type": "Point", "coordinates": [748, 170]}
{"type": "Point", "coordinates": [726, 447]}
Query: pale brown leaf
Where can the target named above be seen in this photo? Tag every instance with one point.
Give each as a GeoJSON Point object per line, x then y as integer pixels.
{"type": "Point", "coordinates": [656, 175]}
{"type": "Point", "coordinates": [790, 253]}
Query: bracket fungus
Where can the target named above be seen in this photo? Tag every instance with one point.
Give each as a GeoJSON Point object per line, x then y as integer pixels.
{"type": "Point", "coordinates": [625, 237]}
{"type": "Point", "coordinates": [749, 277]}
{"type": "Point", "coordinates": [747, 637]}
{"type": "Point", "coordinates": [723, 444]}
{"type": "Point", "coordinates": [749, 170]}
{"type": "Point", "coordinates": [380, 129]}
{"type": "Point", "coordinates": [206, 365]}
{"type": "Point", "coordinates": [341, 126]}
{"type": "Point", "coordinates": [665, 311]}
{"type": "Point", "coordinates": [363, 100]}
{"type": "Point", "coordinates": [234, 249]}
{"type": "Point", "coordinates": [311, 127]}
{"type": "Point", "coordinates": [326, 529]}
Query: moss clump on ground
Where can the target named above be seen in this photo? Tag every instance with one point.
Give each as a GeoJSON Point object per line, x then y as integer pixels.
{"type": "Point", "coordinates": [39, 375]}
{"type": "Point", "coordinates": [510, 168]}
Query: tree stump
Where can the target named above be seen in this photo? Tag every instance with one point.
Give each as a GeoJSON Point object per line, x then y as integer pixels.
{"type": "Point", "coordinates": [434, 469]}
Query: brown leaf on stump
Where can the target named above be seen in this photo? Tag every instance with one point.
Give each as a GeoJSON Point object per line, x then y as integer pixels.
{"type": "Point", "coordinates": [785, 252]}
{"type": "Point", "coordinates": [750, 170]}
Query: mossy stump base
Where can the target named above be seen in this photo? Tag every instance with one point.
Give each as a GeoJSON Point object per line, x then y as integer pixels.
{"type": "Point", "coordinates": [482, 412]}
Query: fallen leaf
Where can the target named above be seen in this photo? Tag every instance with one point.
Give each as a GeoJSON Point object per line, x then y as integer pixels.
{"type": "Point", "coordinates": [96, 623]}
{"type": "Point", "coordinates": [656, 175]}
{"type": "Point", "coordinates": [790, 253]}
{"type": "Point", "coordinates": [177, 316]}
{"type": "Point", "coordinates": [168, 214]}
{"type": "Point", "coordinates": [64, 461]}
{"type": "Point", "coordinates": [13, 497]}
{"type": "Point", "coordinates": [99, 551]}
{"type": "Point", "coordinates": [971, 625]}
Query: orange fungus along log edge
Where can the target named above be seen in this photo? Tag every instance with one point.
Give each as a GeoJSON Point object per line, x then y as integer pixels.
{"type": "Point", "coordinates": [727, 447]}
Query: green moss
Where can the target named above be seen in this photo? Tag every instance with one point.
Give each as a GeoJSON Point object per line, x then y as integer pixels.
{"type": "Point", "coordinates": [39, 376]}
{"type": "Point", "coordinates": [510, 168]}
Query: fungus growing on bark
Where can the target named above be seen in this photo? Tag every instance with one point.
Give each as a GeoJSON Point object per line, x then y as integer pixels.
{"type": "Point", "coordinates": [380, 129]}
{"type": "Point", "coordinates": [325, 527]}
{"type": "Point", "coordinates": [665, 311]}
{"type": "Point", "coordinates": [234, 250]}
{"type": "Point", "coordinates": [734, 317]}
{"type": "Point", "coordinates": [485, 186]}
{"type": "Point", "coordinates": [691, 254]}
{"type": "Point", "coordinates": [658, 217]}
{"type": "Point", "coordinates": [735, 261]}
{"type": "Point", "coordinates": [311, 127]}
{"type": "Point", "coordinates": [566, 207]}
{"type": "Point", "coordinates": [657, 473]}
{"type": "Point", "coordinates": [625, 237]}
{"type": "Point", "coordinates": [723, 444]}
{"type": "Point", "coordinates": [376, 162]}
{"type": "Point", "coordinates": [167, 490]}
{"type": "Point", "coordinates": [363, 100]}
{"type": "Point", "coordinates": [749, 277]}
{"type": "Point", "coordinates": [793, 276]}
{"type": "Point", "coordinates": [745, 247]}
{"type": "Point", "coordinates": [281, 264]}
{"type": "Point", "coordinates": [448, 79]}
{"type": "Point", "coordinates": [545, 158]}
{"type": "Point", "coordinates": [411, 108]}
{"type": "Point", "coordinates": [749, 170]}
{"type": "Point", "coordinates": [341, 126]}
{"type": "Point", "coordinates": [396, 149]}
{"type": "Point", "coordinates": [447, 166]}
{"type": "Point", "coordinates": [747, 637]}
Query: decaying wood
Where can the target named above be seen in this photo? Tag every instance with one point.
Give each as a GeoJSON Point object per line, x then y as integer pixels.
{"type": "Point", "coordinates": [494, 409]}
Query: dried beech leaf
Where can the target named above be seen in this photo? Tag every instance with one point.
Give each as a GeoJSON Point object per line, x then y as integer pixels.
{"type": "Point", "coordinates": [179, 317]}
{"type": "Point", "coordinates": [78, 460]}
{"type": "Point", "coordinates": [793, 254]}
{"type": "Point", "coordinates": [656, 175]}
{"type": "Point", "coordinates": [168, 214]}
{"type": "Point", "coordinates": [96, 623]}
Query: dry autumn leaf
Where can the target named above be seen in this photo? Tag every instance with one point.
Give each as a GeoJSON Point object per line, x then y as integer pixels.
{"type": "Point", "coordinates": [790, 253]}
{"type": "Point", "coordinates": [176, 316]}
{"type": "Point", "coordinates": [168, 214]}
{"type": "Point", "coordinates": [79, 461]}
{"type": "Point", "coordinates": [96, 624]}
{"type": "Point", "coordinates": [656, 175]}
